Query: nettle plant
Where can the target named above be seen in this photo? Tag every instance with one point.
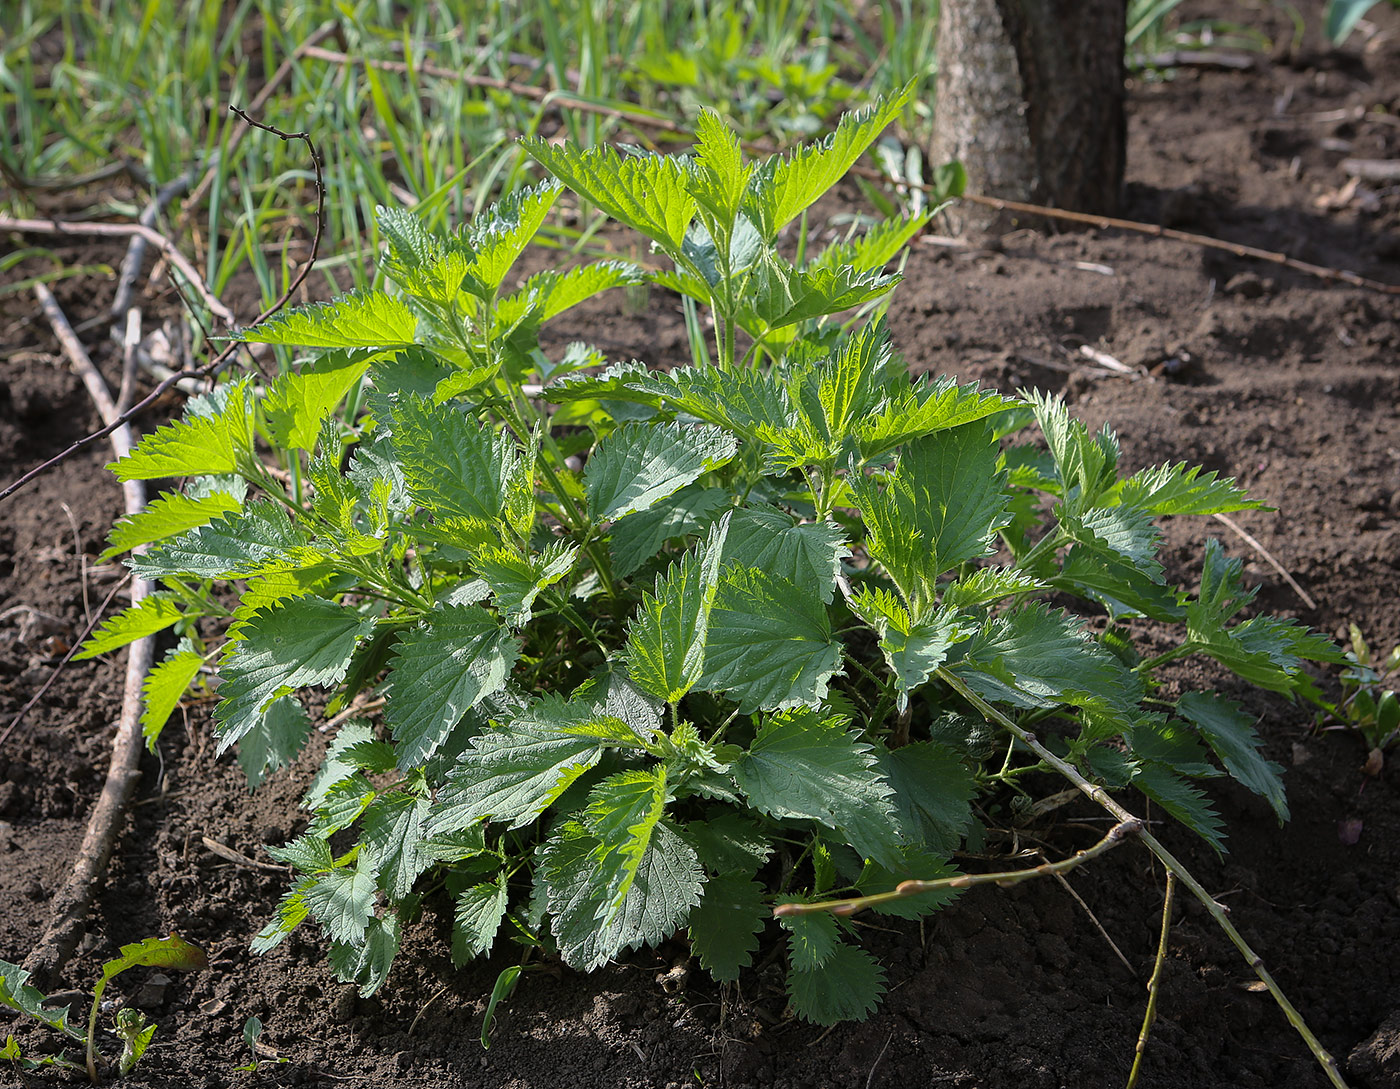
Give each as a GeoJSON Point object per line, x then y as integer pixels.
{"type": "Point", "coordinates": [690, 644]}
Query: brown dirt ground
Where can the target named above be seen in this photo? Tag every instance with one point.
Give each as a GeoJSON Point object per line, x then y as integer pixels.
{"type": "Point", "coordinates": [1292, 387]}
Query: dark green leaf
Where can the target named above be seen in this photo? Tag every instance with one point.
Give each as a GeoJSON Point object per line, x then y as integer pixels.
{"type": "Point", "coordinates": [1232, 736]}
{"type": "Point", "coordinates": [725, 925]}
{"type": "Point", "coordinates": [845, 988]}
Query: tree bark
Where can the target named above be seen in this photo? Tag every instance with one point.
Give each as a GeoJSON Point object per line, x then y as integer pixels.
{"type": "Point", "coordinates": [1030, 100]}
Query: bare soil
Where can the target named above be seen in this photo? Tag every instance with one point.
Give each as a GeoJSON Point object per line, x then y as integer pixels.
{"type": "Point", "coordinates": [1289, 383]}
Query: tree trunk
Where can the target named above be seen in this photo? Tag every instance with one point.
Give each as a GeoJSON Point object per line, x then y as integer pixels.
{"type": "Point", "coordinates": [1030, 100]}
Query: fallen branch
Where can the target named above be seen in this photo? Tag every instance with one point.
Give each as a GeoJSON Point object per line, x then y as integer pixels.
{"type": "Point", "coordinates": [136, 250]}
{"type": "Point", "coordinates": [1234, 526]}
{"type": "Point", "coordinates": [1217, 912]}
{"type": "Point", "coordinates": [72, 902]}
{"type": "Point", "coordinates": [214, 364]}
{"type": "Point", "coordinates": [125, 230]}
{"type": "Point", "coordinates": [1124, 829]}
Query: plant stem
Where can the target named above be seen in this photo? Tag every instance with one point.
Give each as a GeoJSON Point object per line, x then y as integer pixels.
{"type": "Point", "coordinates": [1217, 912]}
{"type": "Point", "coordinates": [1116, 835]}
{"type": "Point", "coordinates": [1154, 982]}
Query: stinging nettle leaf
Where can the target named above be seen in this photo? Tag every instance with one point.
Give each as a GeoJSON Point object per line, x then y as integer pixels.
{"type": "Point", "coordinates": [308, 641]}
{"type": "Point", "coordinates": [808, 554]}
{"type": "Point", "coordinates": [360, 319]}
{"type": "Point", "coordinates": [298, 401]}
{"type": "Point", "coordinates": [453, 466]}
{"type": "Point", "coordinates": [725, 925]}
{"type": "Point", "coordinates": [477, 919]}
{"type": "Point", "coordinates": [846, 987]}
{"type": "Point", "coordinates": [167, 515]}
{"type": "Point", "coordinates": [163, 687]}
{"type": "Point", "coordinates": [638, 465]}
{"type": "Point", "coordinates": [665, 651]}
{"type": "Point", "coordinates": [153, 613]}
{"type": "Point", "coordinates": [1232, 736]}
{"type": "Point", "coordinates": [514, 771]}
{"type": "Point", "coordinates": [441, 669]}
{"type": "Point", "coordinates": [196, 444]}
{"type": "Point", "coordinates": [769, 643]}
{"type": "Point", "coordinates": [804, 766]}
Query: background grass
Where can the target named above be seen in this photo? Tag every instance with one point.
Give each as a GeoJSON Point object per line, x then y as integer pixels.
{"type": "Point", "coordinates": [418, 103]}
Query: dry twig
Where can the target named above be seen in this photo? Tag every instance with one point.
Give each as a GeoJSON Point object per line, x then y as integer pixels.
{"type": "Point", "coordinates": [71, 903]}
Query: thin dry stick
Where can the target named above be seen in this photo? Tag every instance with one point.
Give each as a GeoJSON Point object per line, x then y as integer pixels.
{"type": "Point", "coordinates": [259, 101]}
{"type": "Point", "coordinates": [1154, 982]}
{"type": "Point", "coordinates": [1103, 931]}
{"type": "Point", "coordinates": [1217, 912]}
{"type": "Point", "coordinates": [1158, 231]}
{"type": "Point", "coordinates": [71, 903]}
{"type": "Point", "coordinates": [1124, 829]}
{"type": "Point", "coordinates": [1269, 559]}
{"type": "Point", "coordinates": [214, 364]}
{"type": "Point", "coordinates": [125, 230]}
{"type": "Point", "coordinates": [136, 249]}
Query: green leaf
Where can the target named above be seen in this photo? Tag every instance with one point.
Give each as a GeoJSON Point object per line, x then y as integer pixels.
{"type": "Point", "coordinates": [639, 537]}
{"type": "Point", "coordinates": [784, 186]}
{"type": "Point", "coordinates": [167, 515]}
{"type": "Point", "coordinates": [390, 831]}
{"type": "Point", "coordinates": [933, 792]}
{"type": "Point", "coordinates": [453, 466]}
{"type": "Point", "coordinates": [639, 465]}
{"type": "Point", "coordinates": [912, 651]}
{"type": "Point", "coordinates": [1124, 588]}
{"type": "Point", "coordinates": [336, 767]}
{"type": "Point", "coordinates": [360, 319]}
{"type": "Point", "coordinates": [1232, 736]}
{"type": "Point", "coordinates": [769, 643]}
{"type": "Point", "coordinates": [665, 651]}
{"type": "Point", "coordinates": [1086, 465]}
{"type": "Point", "coordinates": [291, 913]}
{"type": "Point", "coordinates": [646, 192]}
{"type": "Point", "coordinates": [938, 509]}
{"type": "Point", "coordinates": [257, 540]}
{"type": "Point", "coordinates": [923, 408]}
{"type": "Point", "coordinates": [304, 642]}
{"type": "Point", "coordinates": [274, 739]}
{"type": "Point", "coordinates": [877, 247]}
{"type": "Point", "coordinates": [812, 939]}
{"type": "Point", "coordinates": [989, 584]}
{"type": "Point", "coordinates": [623, 812]}
{"type": "Point", "coordinates": [807, 767]}
{"type": "Point", "coordinates": [195, 445]}
{"type": "Point", "coordinates": [1182, 801]}
{"type": "Point", "coordinates": [512, 773]}
{"type": "Point", "coordinates": [664, 891]}
{"type": "Point", "coordinates": [501, 234]}
{"type": "Point", "coordinates": [367, 962]}
{"type": "Point", "coordinates": [1035, 657]}
{"type": "Point", "coordinates": [808, 554]}
{"type": "Point", "coordinates": [153, 613]}
{"type": "Point", "coordinates": [846, 987]}
{"type": "Point", "coordinates": [782, 294]}
{"type": "Point", "coordinates": [1341, 16]}
{"type": "Point", "coordinates": [1155, 738]}
{"type": "Point", "coordinates": [342, 901]}
{"type": "Point", "coordinates": [446, 665]}
{"type": "Point", "coordinates": [719, 175]}
{"type": "Point", "coordinates": [729, 843]}
{"type": "Point", "coordinates": [18, 995]}
{"type": "Point", "coordinates": [298, 402]}
{"type": "Point", "coordinates": [163, 687]}
{"type": "Point", "coordinates": [725, 925]}
{"type": "Point", "coordinates": [477, 919]}
{"type": "Point", "coordinates": [516, 582]}
{"type": "Point", "coordinates": [548, 294]}
{"type": "Point", "coordinates": [1175, 489]}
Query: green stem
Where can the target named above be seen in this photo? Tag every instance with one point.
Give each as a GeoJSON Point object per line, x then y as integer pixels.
{"type": "Point", "coordinates": [1217, 912]}
{"type": "Point", "coordinates": [1153, 983]}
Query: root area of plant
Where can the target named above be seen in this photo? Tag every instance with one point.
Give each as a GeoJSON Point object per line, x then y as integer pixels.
{"type": "Point", "coordinates": [1286, 382]}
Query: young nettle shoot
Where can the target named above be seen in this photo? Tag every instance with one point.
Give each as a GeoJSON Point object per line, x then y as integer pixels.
{"type": "Point", "coordinates": [658, 651]}
{"type": "Point", "coordinates": [132, 1027]}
